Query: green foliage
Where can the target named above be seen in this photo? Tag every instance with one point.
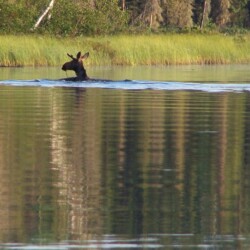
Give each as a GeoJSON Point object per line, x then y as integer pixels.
{"type": "Point", "coordinates": [179, 13]}
{"type": "Point", "coordinates": [109, 18]}
{"type": "Point", "coordinates": [102, 17]}
{"type": "Point", "coordinates": [15, 18]}
{"type": "Point", "coordinates": [72, 19]}
{"type": "Point", "coordinates": [239, 13]}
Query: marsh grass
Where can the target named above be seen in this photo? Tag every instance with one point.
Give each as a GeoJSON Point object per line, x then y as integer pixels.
{"type": "Point", "coordinates": [126, 50]}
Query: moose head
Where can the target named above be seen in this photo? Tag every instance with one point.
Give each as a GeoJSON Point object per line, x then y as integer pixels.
{"type": "Point", "coordinates": [76, 64]}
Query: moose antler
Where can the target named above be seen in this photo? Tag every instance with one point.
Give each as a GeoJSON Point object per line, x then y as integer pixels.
{"type": "Point", "coordinates": [70, 56]}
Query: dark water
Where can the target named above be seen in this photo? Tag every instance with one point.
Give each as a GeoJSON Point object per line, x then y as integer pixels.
{"type": "Point", "coordinates": [112, 167]}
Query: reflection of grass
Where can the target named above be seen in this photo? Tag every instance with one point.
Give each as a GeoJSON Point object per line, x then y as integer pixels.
{"type": "Point", "coordinates": [126, 50]}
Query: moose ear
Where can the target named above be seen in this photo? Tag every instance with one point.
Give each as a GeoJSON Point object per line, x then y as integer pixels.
{"type": "Point", "coordinates": [78, 55]}
{"type": "Point", "coordinates": [85, 56]}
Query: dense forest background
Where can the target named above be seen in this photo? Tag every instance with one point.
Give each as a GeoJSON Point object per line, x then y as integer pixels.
{"type": "Point", "coordinates": [98, 17]}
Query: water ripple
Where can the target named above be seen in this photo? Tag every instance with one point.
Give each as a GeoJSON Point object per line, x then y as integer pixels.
{"type": "Point", "coordinates": [136, 85]}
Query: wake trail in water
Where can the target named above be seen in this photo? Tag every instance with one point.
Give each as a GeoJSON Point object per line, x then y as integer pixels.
{"type": "Point", "coordinates": [135, 85]}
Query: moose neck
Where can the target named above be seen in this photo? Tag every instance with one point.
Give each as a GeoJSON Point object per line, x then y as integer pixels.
{"type": "Point", "coordinates": [81, 73]}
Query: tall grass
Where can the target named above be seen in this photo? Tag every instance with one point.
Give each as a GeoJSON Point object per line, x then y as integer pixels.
{"type": "Point", "coordinates": [181, 49]}
{"type": "Point", "coordinates": [126, 50]}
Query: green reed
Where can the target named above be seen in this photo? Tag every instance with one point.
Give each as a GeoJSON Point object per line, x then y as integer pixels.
{"type": "Point", "coordinates": [126, 50]}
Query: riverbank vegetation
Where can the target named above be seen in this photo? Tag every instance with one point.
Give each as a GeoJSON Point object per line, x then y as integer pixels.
{"type": "Point", "coordinates": [126, 50]}
{"type": "Point", "coordinates": [125, 32]}
{"type": "Point", "coordinates": [102, 17]}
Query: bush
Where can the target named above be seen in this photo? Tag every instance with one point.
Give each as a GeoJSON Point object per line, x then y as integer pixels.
{"type": "Point", "coordinates": [15, 18]}
{"type": "Point", "coordinates": [73, 19]}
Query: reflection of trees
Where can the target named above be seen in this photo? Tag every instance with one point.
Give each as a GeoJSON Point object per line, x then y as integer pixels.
{"type": "Point", "coordinates": [233, 134]}
{"type": "Point", "coordinates": [180, 157]}
{"type": "Point", "coordinates": [75, 157]}
{"type": "Point", "coordinates": [107, 161]}
{"type": "Point", "coordinates": [23, 163]}
{"type": "Point", "coordinates": [244, 199]}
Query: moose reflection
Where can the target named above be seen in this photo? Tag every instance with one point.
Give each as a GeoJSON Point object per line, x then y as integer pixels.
{"type": "Point", "coordinates": [76, 64]}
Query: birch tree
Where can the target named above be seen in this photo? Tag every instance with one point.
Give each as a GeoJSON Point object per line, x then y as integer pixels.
{"type": "Point", "coordinates": [123, 4]}
{"type": "Point", "coordinates": [201, 12]}
{"type": "Point", "coordinates": [206, 8]}
{"type": "Point", "coordinates": [46, 12]}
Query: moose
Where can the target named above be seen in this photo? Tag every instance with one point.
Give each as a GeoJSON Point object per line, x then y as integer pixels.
{"type": "Point", "coordinates": [76, 64]}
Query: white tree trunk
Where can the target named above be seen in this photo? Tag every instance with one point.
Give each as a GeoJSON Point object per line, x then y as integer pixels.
{"type": "Point", "coordinates": [123, 5]}
{"type": "Point", "coordinates": [44, 14]}
{"type": "Point", "coordinates": [203, 13]}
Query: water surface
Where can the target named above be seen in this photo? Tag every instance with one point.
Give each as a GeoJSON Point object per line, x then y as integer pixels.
{"type": "Point", "coordinates": [185, 73]}
{"type": "Point", "coordinates": [120, 168]}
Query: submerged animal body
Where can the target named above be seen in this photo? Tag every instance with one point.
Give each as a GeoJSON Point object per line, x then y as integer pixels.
{"type": "Point", "coordinates": [76, 64]}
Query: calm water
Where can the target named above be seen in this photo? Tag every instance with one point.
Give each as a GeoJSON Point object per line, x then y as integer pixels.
{"type": "Point", "coordinates": [113, 168]}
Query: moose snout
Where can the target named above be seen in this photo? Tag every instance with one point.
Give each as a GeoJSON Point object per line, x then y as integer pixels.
{"type": "Point", "coordinates": [64, 67]}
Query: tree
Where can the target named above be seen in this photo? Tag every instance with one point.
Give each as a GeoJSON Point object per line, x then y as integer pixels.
{"type": "Point", "coordinates": [15, 18]}
{"type": "Point", "coordinates": [178, 13]}
{"type": "Point", "coordinates": [134, 10]}
{"type": "Point", "coordinates": [89, 17]}
{"type": "Point", "coordinates": [239, 12]}
{"type": "Point", "coordinates": [201, 12]}
{"type": "Point", "coordinates": [123, 4]}
{"type": "Point", "coordinates": [151, 13]}
{"type": "Point", "coordinates": [220, 12]}
{"type": "Point", "coordinates": [205, 12]}
{"type": "Point", "coordinates": [46, 12]}
{"type": "Point", "coordinates": [96, 17]}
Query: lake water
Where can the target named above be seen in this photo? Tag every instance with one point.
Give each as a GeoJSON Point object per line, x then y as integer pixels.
{"type": "Point", "coordinates": [160, 162]}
